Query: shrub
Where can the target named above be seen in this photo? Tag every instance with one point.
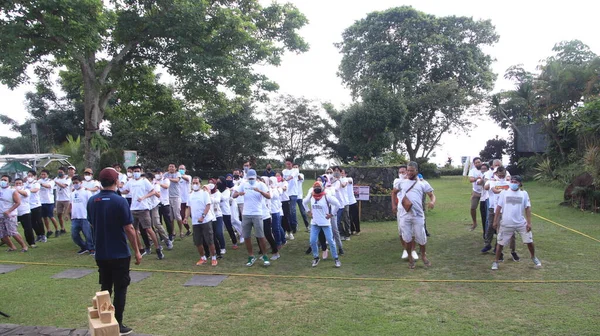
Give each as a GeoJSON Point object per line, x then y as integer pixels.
{"type": "Point", "coordinates": [451, 171]}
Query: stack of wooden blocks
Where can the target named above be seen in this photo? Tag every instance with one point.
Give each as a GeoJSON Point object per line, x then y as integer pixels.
{"type": "Point", "coordinates": [102, 316]}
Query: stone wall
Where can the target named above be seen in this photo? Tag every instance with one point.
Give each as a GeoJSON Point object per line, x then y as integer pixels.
{"type": "Point", "coordinates": [377, 208]}
{"type": "Point", "coordinates": [371, 176]}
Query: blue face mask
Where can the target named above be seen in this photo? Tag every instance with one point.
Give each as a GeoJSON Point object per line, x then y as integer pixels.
{"type": "Point", "coordinates": [229, 184]}
{"type": "Point", "coordinates": [251, 182]}
{"type": "Point", "coordinates": [137, 175]}
{"type": "Point", "coordinates": [514, 186]}
{"type": "Point", "coordinates": [182, 171]}
{"type": "Point", "coordinates": [3, 184]}
{"type": "Point", "coordinates": [60, 175]}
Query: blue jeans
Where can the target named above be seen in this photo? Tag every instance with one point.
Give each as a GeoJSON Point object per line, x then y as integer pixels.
{"type": "Point", "coordinates": [278, 232]}
{"type": "Point", "coordinates": [302, 212]}
{"type": "Point", "coordinates": [314, 238]}
{"type": "Point", "coordinates": [293, 220]}
{"type": "Point", "coordinates": [82, 225]}
{"type": "Point", "coordinates": [218, 232]}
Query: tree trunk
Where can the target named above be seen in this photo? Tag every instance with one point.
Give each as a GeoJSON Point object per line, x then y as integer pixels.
{"type": "Point", "coordinates": [412, 153]}
{"type": "Point", "coordinates": [92, 116]}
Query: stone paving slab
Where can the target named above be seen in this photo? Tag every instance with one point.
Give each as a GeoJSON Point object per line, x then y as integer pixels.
{"type": "Point", "coordinates": [138, 276]}
{"type": "Point", "coordinates": [17, 330]}
{"type": "Point", "coordinates": [74, 273]}
{"type": "Point", "coordinates": [9, 268]}
{"type": "Point", "coordinates": [205, 280]}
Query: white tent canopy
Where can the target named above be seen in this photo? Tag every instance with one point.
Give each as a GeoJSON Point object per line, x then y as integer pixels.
{"type": "Point", "coordinates": [36, 160]}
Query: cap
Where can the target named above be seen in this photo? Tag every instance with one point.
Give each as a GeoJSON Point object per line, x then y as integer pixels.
{"type": "Point", "coordinates": [71, 167]}
{"type": "Point", "coordinates": [88, 170]}
{"type": "Point", "coordinates": [251, 173]}
{"type": "Point", "coordinates": [318, 184]}
{"type": "Point", "coordinates": [518, 178]}
{"type": "Point", "coordinates": [109, 174]}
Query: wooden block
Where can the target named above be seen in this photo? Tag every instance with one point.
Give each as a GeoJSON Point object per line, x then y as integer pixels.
{"type": "Point", "coordinates": [106, 316]}
{"type": "Point", "coordinates": [93, 313]}
{"type": "Point", "coordinates": [97, 328]}
{"type": "Point", "coordinates": [95, 303]}
{"type": "Point", "coordinates": [103, 300]}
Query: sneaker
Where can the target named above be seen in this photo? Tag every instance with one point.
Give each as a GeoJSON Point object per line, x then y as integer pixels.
{"type": "Point", "coordinates": [251, 261]}
{"type": "Point", "coordinates": [25, 250]}
{"type": "Point", "coordinates": [404, 255]}
{"type": "Point", "coordinates": [338, 263]}
{"type": "Point", "coordinates": [159, 254]}
{"type": "Point", "coordinates": [63, 231]}
{"type": "Point", "coordinates": [287, 235]}
{"type": "Point", "coordinates": [275, 256]}
{"type": "Point", "coordinates": [242, 240]}
{"type": "Point", "coordinates": [325, 254]}
{"type": "Point", "coordinates": [143, 252]}
{"type": "Point", "coordinates": [38, 239]}
{"type": "Point", "coordinates": [82, 251]}
{"type": "Point", "coordinates": [266, 261]}
{"type": "Point", "coordinates": [171, 237]}
{"type": "Point", "coordinates": [56, 234]}
{"type": "Point", "coordinates": [341, 251]}
{"type": "Point", "coordinates": [44, 239]}
{"type": "Point", "coordinates": [200, 262]}
{"type": "Point", "coordinates": [308, 250]}
{"type": "Point", "coordinates": [292, 236]}
{"type": "Point", "coordinates": [188, 233]}
{"type": "Point", "coordinates": [214, 262]}
{"type": "Point", "coordinates": [315, 262]}
{"type": "Point", "coordinates": [347, 238]}
{"type": "Point", "coordinates": [49, 234]}
{"type": "Point", "coordinates": [515, 256]}
{"type": "Point", "coordinates": [169, 245]}
{"type": "Point", "coordinates": [123, 330]}
{"type": "Point", "coordinates": [92, 253]}
{"type": "Point", "coordinates": [494, 266]}
{"type": "Point", "coordinates": [536, 262]}
{"type": "Point", "coordinates": [343, 238]}
{"type": "Point", "coordinates": [414, 255]}
{"type": "Point", "coordinates": [148, 251]}
{"type": "Point", "coordinates": [486, 248]}
{"type": "Point", "coordinates": [501, 257]}
{"type": "Point", "coordinates": [33, 246]}
{"type": "Point", "coordinates": [223, 251]}
{"type": "Point", "coordinates": [357, 233]}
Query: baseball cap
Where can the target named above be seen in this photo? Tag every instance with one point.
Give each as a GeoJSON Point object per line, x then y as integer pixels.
{"type": "Point", "coordinates": [71, 167]}
{"type": "Point", "coordinates": [88, 170]}
{"type": "Point", "coordinates": [251, 173]}
{"type": "Point", "coordinates": [517, 178]}
{"type": "Point", "coordinates": [109, 174]}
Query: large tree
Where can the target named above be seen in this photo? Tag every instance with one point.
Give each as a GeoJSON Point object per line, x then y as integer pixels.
{"type": "Point", "coordinates": [435, 65]}
{"type": "Point", "coordinates": [203, 44]}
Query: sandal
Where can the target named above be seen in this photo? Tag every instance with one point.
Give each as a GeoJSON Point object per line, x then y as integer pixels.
{"type": "Point", "coordinates": [11, 250]}
{"type": "Point", "coordinates": [426, 261]}
{"type": "Point", "coordinates": [411, 265]}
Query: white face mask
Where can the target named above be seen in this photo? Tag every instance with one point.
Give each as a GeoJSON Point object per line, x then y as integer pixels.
{"type": "Point", "coordinates": [19, 187]}
{"type": "Point", "coordinates": [129, 175]}
{"type": "Point", "coordinates": [87, 177]}
{"type": "Point", "coordinates": [30, 179]}
{"type": "Point", "coordinates": [195, 187]}
{"type": "Point", "coordinates": [158, 177]}
{"type": "Point", "coordinates": [210, 186]}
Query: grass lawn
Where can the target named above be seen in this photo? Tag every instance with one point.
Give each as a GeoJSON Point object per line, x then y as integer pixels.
{"type": "Point", "coordinates": [391, 300]}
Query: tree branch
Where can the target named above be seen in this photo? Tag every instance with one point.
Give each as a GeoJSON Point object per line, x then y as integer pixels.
{"type": "Point", "coordinates": [116, 59]}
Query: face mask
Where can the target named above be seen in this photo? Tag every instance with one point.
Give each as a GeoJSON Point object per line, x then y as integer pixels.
{"type": "Point", "coordinates": [195, 187]}
{"type": "Point", "coordinates": [514, 186]}
{"type": "Point", "coordinates": [268, 169]}
{"type": "Point", "coordinates": [3, 184]}
{"type": "Point", "coordinates": [182, 171]}
{"type": "Point", "coordinates": [87, 178]}
{"type": "Point", "coordinates": [279, 178]}
{"type": "Point", "coordinates": [329, 176]}
{"type": "Point", "coordinates": [336, 175]}
{"type": "Point", "coordinates": [229, 184]}
{"type": "Point", "coordinates": [130, 175]}
{"type": "Point", "coordinates": [19, 187]}
{"type": "Point", "coordinates": [401, 175]}
{"type": "Point", "coordinates": [318, 190]}
{"type": "Point", "coordinates": [29, 179]}
{"type": "Point", "coordinates": [61, 175]}
{"type": "Point", "coordinates": [246, 170]}
{"type": "Point", "coordinates": [211, 186]}
{"type": "Point", "coordinates": [137, 175]}
{"type": "Point", "coordinates": [251, 182]}
{"type": "Point", "coordinates": [236, 176]}
{"type": "Point", "coordinates": [158, 177]}
{"type": "Point", "coordinates": [76, 186]}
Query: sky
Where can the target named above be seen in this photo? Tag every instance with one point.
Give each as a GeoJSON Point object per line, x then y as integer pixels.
{"type": "Point", "coordinates": [528, 30]}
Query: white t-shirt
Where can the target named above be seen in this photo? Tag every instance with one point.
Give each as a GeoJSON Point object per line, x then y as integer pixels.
{"type": "Point", "coordinates": [340, 192]}
{"type": "Point", "coordinates": [92, 184]}
{"type": "Point", "coordinates": [46, 194]}
{"type": "Point", "coordinates": [478, 188]}
{"type": "Point", "coordinates": [282, 193]}
{"type": "Point", "coordinates": [350, 191]}
{"type": "Point", "coordinates": [215, 199]}
{"type": "Point", "coordinates": [34, 198]}
{"type": "Point", "coordinates": [275, 200]}
{"type": "Point", "coordinates": [253, 200]}
{"type": "Point", "coordinates": [493, 197]}
{"type": "Point", "coordinates": [139, 188]}
{"type": "Point", "coordinates": [63, 194]}
{"type": "Point", "coordinates": [299, 183]}
{"type": "Point", "coordinates": [24, 207]}
{"type": "Point", "coordinates": [79, 200]}
{"type": "Point", "coordinates": [127, 179]}
{"type": "Point", "coordinates": [224, 204]}
{"type": "Point", "coordinates": [197, 203]}
{"type": "Point", "coordinates": [239, 199]}
{"type": "Point", "coordinates": [292, 184]}
{"type": "Point", "coordinates": [155, 200]}
{"type": "Point", "coordinates": [415, 195]}
{"type": "Point", "coordinates": [184, 188]}
{"type": "Point", "coordinates": [513, 204]}
{"type": "Point", "coordinates": [7, 201]}
{"type": "Point", "coordinates": [164, 192]}
{"type": "Point", "coordinates": [328, 204]}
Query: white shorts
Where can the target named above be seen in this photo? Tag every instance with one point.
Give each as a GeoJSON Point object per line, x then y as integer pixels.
{"type": "Point", "coordinates": [507, 232]}
{"type": "Point", "coordinates": [413, 226]}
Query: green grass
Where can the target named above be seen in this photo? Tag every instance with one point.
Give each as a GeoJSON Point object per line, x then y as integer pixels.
{"type": "Point", "coordinates": [299, 306]}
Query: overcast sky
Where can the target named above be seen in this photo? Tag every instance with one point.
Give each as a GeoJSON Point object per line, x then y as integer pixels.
{"type": "Point", "coordinates": [528, 30]}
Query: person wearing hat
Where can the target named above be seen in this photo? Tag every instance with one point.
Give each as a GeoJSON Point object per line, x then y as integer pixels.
{"type": "Point", "coordinates": [515, 207]}
{"type": "Point", "coordinates": [321, 208]}
{"type": "Point", "coordinates": [71, 171]}
{"type": "Point", "coordinates": [255, 194]}
{"type": "Point", "coordinates": [111, 218]}
{"type": "Point", "coordinates": [89, 183]}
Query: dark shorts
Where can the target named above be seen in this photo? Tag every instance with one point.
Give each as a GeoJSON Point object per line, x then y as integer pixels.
{"type": "Point", "coordinates": [203, 233]}
{"type": "Point", "coordinates": [141, 218]}
{"type": "Point", "coordinates": [47, 210]}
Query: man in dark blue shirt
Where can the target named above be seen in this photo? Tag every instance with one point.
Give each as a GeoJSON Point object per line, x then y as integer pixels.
{"type": "Point", "coordinates": [111, 220]}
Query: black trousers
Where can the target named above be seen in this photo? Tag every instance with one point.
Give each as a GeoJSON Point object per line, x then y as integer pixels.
{"type": "Point", "coordinates": [25, 220]}
{"type": "Point", "coordinates": [114, 278]}
{"type": "Point", "coordinates": [229, 227]}
{"type": "Point", "coordinates": [285, 220]}
{"type": "Point", "coordinates": [354, 218]}
{"type": "Point", "coordinates": [164, 212]}
{"type": "Point", "coordinates": [36, 221]}
{"type": "Point", "coordinates": [268, 229]}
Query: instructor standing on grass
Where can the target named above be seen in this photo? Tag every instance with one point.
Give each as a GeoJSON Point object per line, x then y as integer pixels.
{"type": "Point", "coordinates": [111, 220]}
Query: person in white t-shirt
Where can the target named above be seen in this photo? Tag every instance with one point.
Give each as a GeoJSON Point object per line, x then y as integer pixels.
{"type": "Point", "coordinates": [494, 186]}
{"type": "Point", "coordinates": [321, 210]}
{"type": "Point", "coordinates": [9, 202]}
{"type": "Point", "coordinates": [79, 222]}
{"type": "Point", "coordinates": [396, 188]}
{"type": "Point", "coordinates": [88, 183]}
{"type": "Point", "coordinates": [200, 210]}
{"type": "Point", "coordinates": [184, 186]}
{"type": "Point", "coordinates": [515, 207]}
{"type": "Point", "coordinates": [352, 205]}
{"type": "Point", "coordinates": [290, 175]}
{"type": "Point", "coordinates": [278, 232]}
{"type": "Point", "coordinates": [339, 185]}
{"type": "Point", "coordinates": [412, 220]}
{"type": "Point", "coordinates": [175, 198]}
{"type": "Point", "coordinates": [47, 200]}
{"type": "Point", "coordinates": [299, 183]}
{"type": "Point", "coordinates": [35, 204]}
{"type": "Point", "coordinates": [477, 181]}
{"type": "Point", "coordinates": [255, 194]}
{"type": "Point", "coordinates": [225, 205]}
{"type": "Point", "coordinates": [62, 184]}
{"type": "Point", "coordinates": [483, 199]}
{"type": "Point", "coordinates": [215, 198]}
{"type": "Point", "coordinates": [164, 207]}
{"type": "Point", "coordinates": [24, 212]}
{"type": "Point", "coordinates": [155, 201]}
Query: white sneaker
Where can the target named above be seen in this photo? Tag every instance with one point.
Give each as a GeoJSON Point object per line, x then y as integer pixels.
{"type": "Point", "coordinates": [275, 256]}
{"type": "Point", "coordinates": [536, 262]}
{"type": "Point", "coordinates": [223, 251]}
{"type": "Point", "coordinates": [494, 266]}
{"type": "Point", "coordinates": [287, 235]}
{"type": "Point", "coordinates": [169, 245]}
{"type": "Point", "coordinates": [414, 255]}
{"type": "Point", "coordinates": [404, 255]}
{"type": "Point", "coordinates": [292, 236]}
{"type": "Point", "coordinates": [242, 240]}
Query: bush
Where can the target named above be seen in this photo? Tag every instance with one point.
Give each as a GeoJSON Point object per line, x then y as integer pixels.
{"type": "Point", "coordinates": [429, 170]}
{"type": "Point", "coordinates": [451, 171]}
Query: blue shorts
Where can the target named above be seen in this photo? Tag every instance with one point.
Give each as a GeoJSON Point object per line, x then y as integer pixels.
{"type": "Point", "coordinates": [47, 210]}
